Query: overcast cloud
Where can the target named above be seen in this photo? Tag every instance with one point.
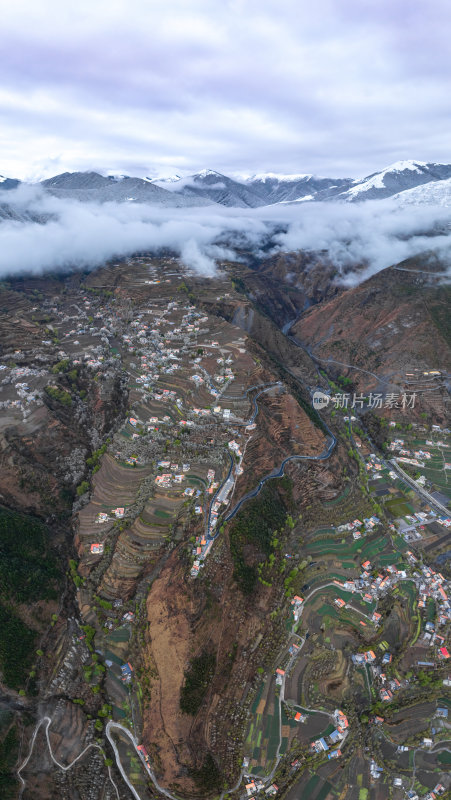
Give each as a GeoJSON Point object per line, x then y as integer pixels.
{"type": "Point", "coordinates": [152, 87]}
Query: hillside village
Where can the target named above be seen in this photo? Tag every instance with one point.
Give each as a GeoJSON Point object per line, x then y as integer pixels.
{"type": "Point", "coordinates": [169, 480]}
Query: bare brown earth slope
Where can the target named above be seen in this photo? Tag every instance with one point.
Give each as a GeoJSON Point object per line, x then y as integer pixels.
{"type": "Point", "coordinates": [395, 325]}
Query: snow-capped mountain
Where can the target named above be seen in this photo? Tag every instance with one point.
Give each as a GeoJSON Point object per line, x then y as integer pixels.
{"type": "Point", "coordinates": [254, 190]}
{"type": "Point", "coordinates": [270, 187]}
{"type": "Point", "coordinates": [165, 181]}
{"type": "Point", "coordinates": [398, 177]}
{"type": "Point", "coordinates": [95, 188]}
{"type": "Point", "coordinates": [274, 188]}
{"type": "Point", "coordinates": [215, 187]}
{"type": "Point", "coordinates": [207, 187]}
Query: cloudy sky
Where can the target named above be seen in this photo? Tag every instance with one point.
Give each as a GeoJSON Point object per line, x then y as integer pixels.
{"type": "Point", "coordinates": [153, 87]}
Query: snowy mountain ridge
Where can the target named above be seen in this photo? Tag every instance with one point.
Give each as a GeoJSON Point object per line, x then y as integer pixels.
{"type": "Point", "coordinates": [423, 180]}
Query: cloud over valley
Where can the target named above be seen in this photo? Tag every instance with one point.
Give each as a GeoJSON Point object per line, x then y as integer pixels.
{"type": "Point", "coordinates": [41, 233]}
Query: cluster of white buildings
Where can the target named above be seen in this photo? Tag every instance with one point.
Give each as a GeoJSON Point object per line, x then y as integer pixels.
{"type": "Point", "coordinates": [433, 585]}
{"type": "Point", "coordinates": [358, 527]}
{"type": "Point", "coordinates": [387, 685]}
{"type": "Point", "coordinates": [429, 584]}
{"type": "Point", "coordinates": [103, 517]}
{"type": "Point", "coordinates": [254, 786]}
{"type": "Point", "coordinates": [201, 551]}
{"type": "Point", "coordinates": [158, 341]}
{"type": "Point", "coordinates": [416, 457]}
{"type": "Point", "coordinates": [26, 396]}
{"type": "Point", "coordinates": [370, 587]}
{"type": "Point", "coordinates": [337, 736]}
{"type": "Point", "coordinates": [234, 447]}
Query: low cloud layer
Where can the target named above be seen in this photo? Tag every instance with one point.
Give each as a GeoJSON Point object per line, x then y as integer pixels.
{"type": "Point", "coordinates": [71, 235]}
{"type": "Point", "coordinates": [373, 235]}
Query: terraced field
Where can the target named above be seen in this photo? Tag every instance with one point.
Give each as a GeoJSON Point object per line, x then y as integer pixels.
{"type": "Point", "coordinates": [114, 486]}
{"type": "Point", "coordinates": [351, 552]}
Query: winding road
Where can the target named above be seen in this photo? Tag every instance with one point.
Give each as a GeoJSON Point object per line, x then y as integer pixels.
{"type": "Point", "coordinates": [279, 474]}
{"type": "Point", "coordinates": [276, 473]}
{"type": "Point", "coordinates": [116, 725]}
{"type": "Point", "coordinates": [264, 387]}
{"type": "Point", "coordinates": [48, 721]}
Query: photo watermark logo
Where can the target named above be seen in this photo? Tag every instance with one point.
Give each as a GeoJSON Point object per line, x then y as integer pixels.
{"type": "Point", "coordinates": [399, 400]}
{"type": "Point", "coordinates": [320, 400]}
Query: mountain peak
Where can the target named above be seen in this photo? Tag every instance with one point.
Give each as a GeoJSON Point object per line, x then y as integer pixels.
{"type": "Point", "coordinates": [409, 164]}
{"type": "Point", "coordinates": [205, 173]}
{"type": "Point", "coordinates": [397, 177]}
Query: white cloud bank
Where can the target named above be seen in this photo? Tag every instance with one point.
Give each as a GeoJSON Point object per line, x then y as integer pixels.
{"type": "Point", "coordinates": [84, 235]}
{"type": "Point", "coordinates": [374, 234]}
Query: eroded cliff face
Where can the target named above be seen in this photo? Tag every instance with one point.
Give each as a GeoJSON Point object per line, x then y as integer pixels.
{"type": "Point", "coordinates": [284, 285]}
{"type": "Point", "coordinates": [43, 460]}
{"type": "Point", "coordinates": [279, 288]}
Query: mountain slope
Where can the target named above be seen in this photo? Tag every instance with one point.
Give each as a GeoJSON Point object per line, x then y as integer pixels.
{"type": "Point", "coordinates": [215, 187]}
{"type": "Point", "coordinates": [432, 193]}
{"type": "Point", "coordinates": [8, 183]}
{"type": "Point", "coordinates": [398, 177]}
{"type": "Point", "coordinates": [394, 322]}
{"type": "Point", "coordinates": [399, 180]}
{"type": "Point", "coordinates": [273, 188]}
{"type": "Point", "coordinates": [270, 188]}
{"type": "Point", "coordinates": [92, 187]}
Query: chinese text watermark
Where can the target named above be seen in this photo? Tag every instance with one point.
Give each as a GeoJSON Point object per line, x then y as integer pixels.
{"type": "Point", "coordinates": [400, 400]}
